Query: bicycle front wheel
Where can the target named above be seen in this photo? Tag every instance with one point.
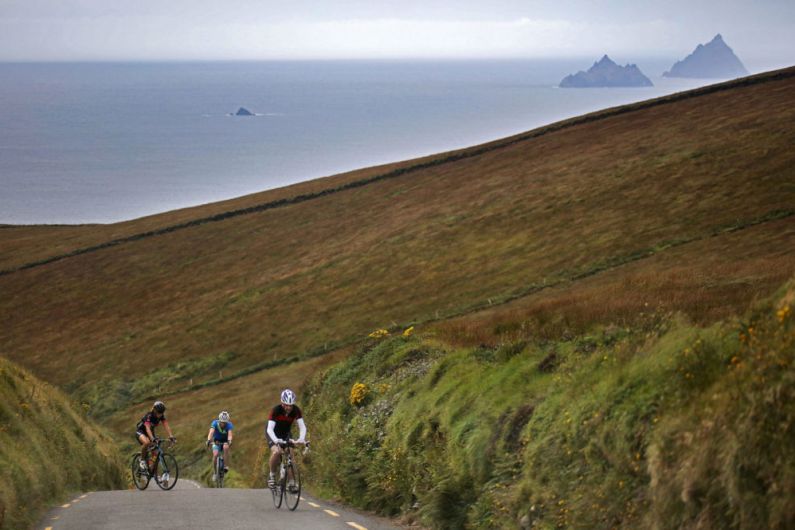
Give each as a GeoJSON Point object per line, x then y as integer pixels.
{"type": "Point", "coordinates": [167, 471]}
{"type": "Point", "coordinates": [219, 472]}
{"type": "Point", "coordinates": [140, 477]}
{"type": "Point", "coordinates": [278, 493]}
{"type": "Point", "coordinates": [292, 488]}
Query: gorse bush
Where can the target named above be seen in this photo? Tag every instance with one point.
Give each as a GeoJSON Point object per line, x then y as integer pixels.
{"type": "Point", "coordinates": [48, 448]}
{"type": "Point", "coordinates": [661, 425]}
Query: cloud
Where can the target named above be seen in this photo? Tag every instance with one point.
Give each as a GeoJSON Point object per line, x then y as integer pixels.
{"type": "Point", "coordinates": [414, 38]}
{"type": "Point", "coordinates": [167, 37]}
{"type": "Point", "coordinates": [152, 37]}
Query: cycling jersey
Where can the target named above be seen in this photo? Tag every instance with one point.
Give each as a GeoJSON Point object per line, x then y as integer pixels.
{"type": "Point", "coordinates": [283, 421]}
{"type": "Point", "coordinates": [221, 435]}
{"type": "Point", "coordinates": [151, 419]}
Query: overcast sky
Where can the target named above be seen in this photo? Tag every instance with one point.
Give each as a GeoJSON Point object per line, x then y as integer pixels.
{"type": "Point", "coordinates": [761, 32]}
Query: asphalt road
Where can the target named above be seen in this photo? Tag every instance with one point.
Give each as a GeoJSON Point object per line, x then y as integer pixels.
{"type": "Point", "coordinates": [190, 507]}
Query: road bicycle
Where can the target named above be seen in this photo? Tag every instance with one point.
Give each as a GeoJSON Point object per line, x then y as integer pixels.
{"type": "Point", "coordinates": [220, 468]}
{"type": "Point", "coordinates": [287, 487]}
{"type": "Point", "coordinates": [157, 464]}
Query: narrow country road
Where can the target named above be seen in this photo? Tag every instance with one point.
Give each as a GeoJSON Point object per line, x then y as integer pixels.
{"type": "Point", "coordinates": [188, 506]}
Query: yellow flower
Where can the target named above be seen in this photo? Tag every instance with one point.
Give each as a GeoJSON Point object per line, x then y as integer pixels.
{"type": "Point", "coordinates": [359, 392]}
{"type": "Point", "coordinates": [783, 313]}
{"type": "Point", "coordinates": [408, 331]}
{"type": "Point", "coordinates": [379, 334]}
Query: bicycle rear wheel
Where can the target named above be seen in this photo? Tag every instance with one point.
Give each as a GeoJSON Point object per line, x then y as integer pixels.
{"type": "Point", "coordinates": [292, 490]}
{"type": "Point", "coordinates": [167, 471]}
{"type": "Point", "coordinates": [140, 477]}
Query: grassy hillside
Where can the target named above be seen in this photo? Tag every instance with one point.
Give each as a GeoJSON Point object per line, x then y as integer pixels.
{"type": "Point", "coordinates": [48, 449]}
{"type": "Point", "coordinates": [659, 425]}
{"type": "Point", "coordinates": [683, 203]}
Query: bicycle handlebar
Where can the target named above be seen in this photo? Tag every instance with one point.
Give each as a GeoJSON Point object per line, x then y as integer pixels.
{"type": "Point", "coordinates": [157, 441]}
{"type": "Point", "coordinates": [291, 443]}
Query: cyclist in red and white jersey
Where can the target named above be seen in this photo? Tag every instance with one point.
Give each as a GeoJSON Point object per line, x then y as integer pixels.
{"type": "Point", "coordinates": [277, 431]}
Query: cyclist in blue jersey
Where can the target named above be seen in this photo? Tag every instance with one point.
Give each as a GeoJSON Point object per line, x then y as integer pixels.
{"type": "Point", "coordinates": [220, 437]}
{"type": "Point", "coordinates": [277, 431]}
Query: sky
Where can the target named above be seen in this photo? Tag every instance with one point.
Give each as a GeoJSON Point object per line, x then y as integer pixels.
{"type": "Point", "coordinates": [759, 31]}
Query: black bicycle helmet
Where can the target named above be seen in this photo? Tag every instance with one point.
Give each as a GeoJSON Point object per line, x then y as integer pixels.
{"type": "Point", "coordinates": [159, 406]}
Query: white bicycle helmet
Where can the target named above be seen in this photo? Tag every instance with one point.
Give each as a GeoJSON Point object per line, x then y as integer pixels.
{"type": "Point", "coordinates": [223, 416]}
{"type": "Point", "coordinates": [288, 397]}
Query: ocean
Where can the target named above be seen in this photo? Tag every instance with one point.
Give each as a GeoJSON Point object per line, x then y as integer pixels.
{"type": "Point", "coordinates": [106, 142]}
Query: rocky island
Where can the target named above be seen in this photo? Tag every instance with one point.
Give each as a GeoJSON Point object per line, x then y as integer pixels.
{"type": "Point", "coordinates": [242, 111]}
{"type": "Point", "coordinates": [712, 60]}
{"type": "Point", "coordinates": [606, 73]}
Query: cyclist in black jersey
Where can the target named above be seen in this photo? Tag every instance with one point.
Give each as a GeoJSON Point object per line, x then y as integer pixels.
{"type": "Point", "coordinates": [277, 431]}
{"type": "Point", "coordinates": [145, 430]}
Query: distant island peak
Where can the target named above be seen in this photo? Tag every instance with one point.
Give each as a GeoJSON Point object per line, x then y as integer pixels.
{"type": "Point", "coordinates": [606, 73]}
{"type": "Point", "coordinates": [714, 60]}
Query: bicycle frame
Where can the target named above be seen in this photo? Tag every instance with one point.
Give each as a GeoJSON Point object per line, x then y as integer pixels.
{"type": "Point", "coordinates": [155, 460]}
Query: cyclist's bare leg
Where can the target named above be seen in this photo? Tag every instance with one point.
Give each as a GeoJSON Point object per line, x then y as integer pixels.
{"type": "Point", "coordinates": [276, 452]}
{"type": "Point", "coordinates": [215, 456]}
{"type": "Point", "coordinates": [144, 441]}
{"type": "Point", "coordinates": [226, 454]}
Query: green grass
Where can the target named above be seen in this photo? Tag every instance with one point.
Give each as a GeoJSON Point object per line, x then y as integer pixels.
{"type": "Point", "coordinates": [48, 449]}
{"type": "Point", "coordinates": [661, 425]}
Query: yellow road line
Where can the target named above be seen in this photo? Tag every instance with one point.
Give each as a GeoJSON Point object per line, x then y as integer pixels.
{"type": "Point", "coordinates": [55, 518]}
{"type": "Point", "coordinates": [313, 505]}
{"type": "Point", "coordinates": [83, 496]}
{"type": "Point", "coordinates": [66, 505]}
{"type": "Point", "coordinates": [332, 513]}
{"type": "Point", "coordinates": [356, 526]}
{"type": "Point", "coordinates": [48, 528]}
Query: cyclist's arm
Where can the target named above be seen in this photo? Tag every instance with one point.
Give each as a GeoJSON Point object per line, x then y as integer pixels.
{"type": "Point", "coordinates": [301, 430]}
{"type": "Point", "coordinates": [168, 429]}
{"type": "Point", "coordinates": [271, 434]}
{"type": "Point", "coordinates": [148, 427]}
{"type": "Point", "coordinates": [229, 435]}
{"type": "Point", "coordinates": [211, 434]}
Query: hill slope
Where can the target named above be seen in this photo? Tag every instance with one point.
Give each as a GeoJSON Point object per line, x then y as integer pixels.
{"type": "Point", "coordinates": [659, 425]}
{"type": "Point", "coordinates": [698, 187]}
{"type": "Point", "coordinates": [47, 449]}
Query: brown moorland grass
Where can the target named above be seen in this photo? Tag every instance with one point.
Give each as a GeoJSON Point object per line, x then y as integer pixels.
{"type": "Point", "coordinates": [24, 244]}
{"type": "Point", "coordinates": [707, 280]}
{"type": "Point", "coordinates": [322, 272]}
